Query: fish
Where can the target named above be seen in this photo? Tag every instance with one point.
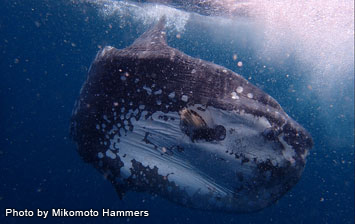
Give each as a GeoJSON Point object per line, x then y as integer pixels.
{"type": "Point", "coordinates": [152, 119]}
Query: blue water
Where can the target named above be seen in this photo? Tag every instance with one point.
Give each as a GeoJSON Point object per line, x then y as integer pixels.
{"type": "Point", "coordinates": [46, 48]}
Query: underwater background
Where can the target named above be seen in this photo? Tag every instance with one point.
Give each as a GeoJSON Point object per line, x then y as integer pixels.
{"type": "Point", "coordinates": [302, 54]}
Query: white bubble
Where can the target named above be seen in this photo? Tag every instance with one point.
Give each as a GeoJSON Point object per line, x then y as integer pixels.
{"type": "Point", "coordinates": [239, 89]}
{"type": "Point", "coordinates": [235, 56]}
{"type": "Point", "coordinates": [234, 96]}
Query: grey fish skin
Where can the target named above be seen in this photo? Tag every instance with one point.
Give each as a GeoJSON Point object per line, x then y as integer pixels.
{"type": "Point", "coordinates": [151, 118]}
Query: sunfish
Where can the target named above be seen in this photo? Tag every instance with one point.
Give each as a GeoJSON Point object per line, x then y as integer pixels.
{"type": "Point", "coordinates": [151, 118]}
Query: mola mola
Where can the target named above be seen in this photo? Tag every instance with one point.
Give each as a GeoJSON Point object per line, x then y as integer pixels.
{"type": "Point", "coordinates": [151, 118]}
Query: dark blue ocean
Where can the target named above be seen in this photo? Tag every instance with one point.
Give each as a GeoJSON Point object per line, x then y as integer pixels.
{"type": "Point", "coordinates": [46, 48]}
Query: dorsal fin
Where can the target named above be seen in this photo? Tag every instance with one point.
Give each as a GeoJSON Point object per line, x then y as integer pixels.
{"type": "Point", "coordinates": [152, 38]}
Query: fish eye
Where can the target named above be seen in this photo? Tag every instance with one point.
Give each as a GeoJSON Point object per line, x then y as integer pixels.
{"type": "Point", "coordinates": [193, 125]}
